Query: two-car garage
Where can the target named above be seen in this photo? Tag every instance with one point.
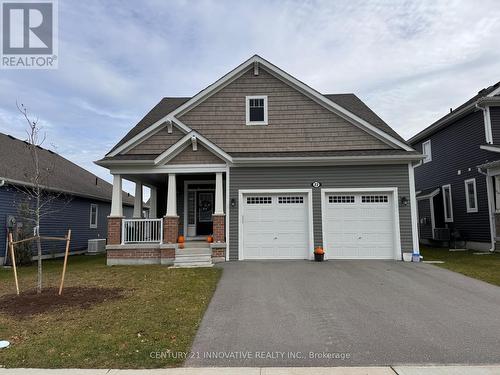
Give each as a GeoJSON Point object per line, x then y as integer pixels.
{"type": "Point", "coordinates": [354, 224]}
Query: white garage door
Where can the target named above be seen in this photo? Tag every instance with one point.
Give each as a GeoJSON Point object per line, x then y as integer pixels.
{"type": "Point", "coordinates": [359, 226]}
{"type": "Point", "coordinates": [275, 226]}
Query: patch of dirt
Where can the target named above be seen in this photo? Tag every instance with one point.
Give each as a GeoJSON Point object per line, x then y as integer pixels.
{"type": "Point", "coordinates": [30, 303]}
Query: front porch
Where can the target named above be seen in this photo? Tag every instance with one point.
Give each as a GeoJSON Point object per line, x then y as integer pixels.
{"type": "Point", "coordinates": [182, 206]}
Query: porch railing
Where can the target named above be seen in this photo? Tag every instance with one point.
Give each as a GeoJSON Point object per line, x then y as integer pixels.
{"type": "Point", "coordinates": [142, 231]}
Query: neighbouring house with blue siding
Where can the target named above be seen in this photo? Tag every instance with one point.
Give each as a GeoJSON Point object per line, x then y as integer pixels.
{"type": "Point", "coordinates": [82, 204]}
{"type": "Point", "coordinates": [458, 181]}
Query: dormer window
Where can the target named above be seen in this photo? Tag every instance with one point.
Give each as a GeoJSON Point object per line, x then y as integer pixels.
{"type": "Point", "coordinates": [256, 110]}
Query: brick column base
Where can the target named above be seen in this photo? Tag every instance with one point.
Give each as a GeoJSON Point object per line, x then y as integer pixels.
{"type": "Point", "coordinates": [219, 228]}
{"type": "Point", "coordinates": [170, 229]}
{"type": "Point", "coordinates": [114, 230]}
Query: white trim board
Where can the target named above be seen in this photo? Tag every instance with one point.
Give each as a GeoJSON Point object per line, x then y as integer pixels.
{"type": "Point", "coordinates": [282, 75]}
{"type": "Point", "coordinates": [391, 190]}
{"type": "Point", "coordinates": [432, 194]}
{"type": "Point", "coordinates": [310, 218]}
{"type": "Point", "coordinates": [184, 142]}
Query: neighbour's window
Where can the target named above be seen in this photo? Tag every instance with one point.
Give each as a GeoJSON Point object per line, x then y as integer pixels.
{"type": "Point", "coordinates": [497, 193]}
{"type": "Point", "coordinates": [93, 215]}
{"type": "Point", "coordinates": [448, 204]}
{"type": "Point", "coordinates": [471, 195]}
{"type": "Point", "coordinates": [256, 110]}
{"type": "Point", "coordinates": [426, 150]}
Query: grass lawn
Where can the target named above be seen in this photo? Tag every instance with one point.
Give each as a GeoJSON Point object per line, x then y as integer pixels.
{"type": "Point", "coordinates": [154, 309]}
{"type": "Point", "coordinates": [482, 267]}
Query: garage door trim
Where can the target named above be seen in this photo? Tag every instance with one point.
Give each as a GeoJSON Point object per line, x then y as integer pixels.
{"type": "Point", "coordinates": [307, 192]}
{"type": "Point", "coordinates": [390, 190]}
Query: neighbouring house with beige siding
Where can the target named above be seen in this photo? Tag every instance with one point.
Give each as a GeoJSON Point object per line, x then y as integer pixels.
{"type": "Point", "coordinates": [261, 166]}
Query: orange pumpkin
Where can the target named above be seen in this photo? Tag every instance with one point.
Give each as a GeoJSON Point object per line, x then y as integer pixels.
{"type": "Point", "coordinates": [210, 239]}
{"type": "Point", "coordinates": [319, 250]}
{"type": "Point", "coordinates": [180, 239]}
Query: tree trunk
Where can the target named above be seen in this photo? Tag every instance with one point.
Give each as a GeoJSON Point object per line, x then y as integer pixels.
{"type": "Point", "coordinates": [38, 248]}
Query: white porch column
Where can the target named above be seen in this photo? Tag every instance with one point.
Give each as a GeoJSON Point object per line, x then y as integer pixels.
{"type": "Point", "coordinates": [138, 201]}
{"type": "Point", "coordinates": [153, 203]}
{"type": "Point", "coordinates": [171, 196]}
{"type": "Point", "coordinates": [116, 200]}
{"type": "Point", "coordinates": [219, 194]}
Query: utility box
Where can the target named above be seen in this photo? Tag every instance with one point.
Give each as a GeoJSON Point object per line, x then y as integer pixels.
{"type": "Point", "coordinates": [96, 246]}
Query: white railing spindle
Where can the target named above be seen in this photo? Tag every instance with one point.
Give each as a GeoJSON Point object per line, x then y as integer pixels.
{"type": "Point", "coordinates": [142, 231]}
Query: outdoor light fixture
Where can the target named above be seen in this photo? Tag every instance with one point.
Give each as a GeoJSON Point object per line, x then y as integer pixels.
{"type": "Point", "coordinates": [233, 202]}
{"type": "Point", "coordinates": [404, 201]}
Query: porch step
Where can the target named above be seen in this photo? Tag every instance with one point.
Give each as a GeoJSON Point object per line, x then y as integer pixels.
{"type": "Point", "coordinates": [196, 245]}
{"type": "Point", "coordinates": [194, 257]}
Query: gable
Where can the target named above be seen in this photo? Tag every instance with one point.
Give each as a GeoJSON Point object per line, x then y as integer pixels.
{"type": "Point", "coordinates": [200, 156]}
{"type": "Point", "coordinates": [157, 143]}
{"type": "Point", "coordinates": [295, 122]}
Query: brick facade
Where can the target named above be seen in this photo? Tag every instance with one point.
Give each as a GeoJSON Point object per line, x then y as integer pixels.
{"type": "Point", "coordinates": [114, 230]}
{"type": "Point", "coordinates": [170, 229]}
{"type": "Point", "coordinates": [219, 228]}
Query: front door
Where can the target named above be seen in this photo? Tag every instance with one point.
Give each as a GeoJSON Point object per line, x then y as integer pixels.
{"type": "Point", "coordinates": [204, 211]}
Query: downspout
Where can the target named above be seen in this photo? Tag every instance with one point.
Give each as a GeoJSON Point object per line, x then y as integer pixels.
{"type": "Point", "coordinates": [490, 208]}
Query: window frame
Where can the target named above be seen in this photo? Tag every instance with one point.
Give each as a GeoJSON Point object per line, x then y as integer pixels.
{"type": "Point", "coordinates": [427, 158]}
{"type": "Point", "coordinates": [247, 110]}
{"type": "Point", "coordinates": [445, 203]}
{"type": "Point", "coordinates": [466, 183]}
{"type": "Point", "coordinates": [94, 226]}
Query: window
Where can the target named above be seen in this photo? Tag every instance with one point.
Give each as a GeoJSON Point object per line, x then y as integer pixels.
{"type": "Point", "coordinates": [290, 200]}
{"type": "Point", "coordinates": [471, 195]}
{"type": "Point", "coordinates": [259, 200]}
{"type": "Point", "coordinates": [426, 150]}
{"type": "Point", "coordinates": [93, 215]}
{"type": "Point", "coordinates": [497, 193]}
{"type": "Point", "coordinates": [448, 204]}
{"type": "Point", "coordinates": [341, 199]}
{"type": "Point", "coordinates": [374, 199]}
{"type": "Point", "coordinates": [256, 110]}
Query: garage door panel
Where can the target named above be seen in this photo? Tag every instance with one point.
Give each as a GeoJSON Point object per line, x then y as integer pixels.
{"type": "Point", "coordinates": [275, 226]}
{"type": "Point", "coordinates": [361, 226]}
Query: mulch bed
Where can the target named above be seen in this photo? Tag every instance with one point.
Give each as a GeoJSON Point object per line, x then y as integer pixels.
{"type": "Point", "coordinates": [30, 303]}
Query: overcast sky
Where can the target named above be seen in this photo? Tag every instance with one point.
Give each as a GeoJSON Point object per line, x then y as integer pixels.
{"type": "Point", "coordinates": [410, 61]}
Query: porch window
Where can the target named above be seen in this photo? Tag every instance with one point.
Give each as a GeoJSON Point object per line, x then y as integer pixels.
{"type": "Point", "coordinates": [447, 203]}
{"type": "Point", "coordinates": [256, 110]}
{"type": "Point", "coordinates": [93, 216]}
{"type": "Point", "coordinates": [471, 195]}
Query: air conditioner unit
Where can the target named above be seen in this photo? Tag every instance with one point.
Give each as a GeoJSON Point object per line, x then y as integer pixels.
{"type": "Point", "coordinates": [96, 246]}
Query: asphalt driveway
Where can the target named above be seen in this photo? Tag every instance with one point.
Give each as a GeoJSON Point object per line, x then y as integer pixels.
{"type": "Point", "coordinates": [342, 313]}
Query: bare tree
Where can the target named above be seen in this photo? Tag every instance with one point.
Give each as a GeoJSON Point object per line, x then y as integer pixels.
{"type": "Point", "coordinates": [39, 197]}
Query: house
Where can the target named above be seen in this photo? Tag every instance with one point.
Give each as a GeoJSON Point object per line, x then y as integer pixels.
{"type": "Point", "coordinates": [83, 200]}
{"type": "Point", "coordinates": [458, 180]}
{"type": "Point", "coordinates": [268, 166]}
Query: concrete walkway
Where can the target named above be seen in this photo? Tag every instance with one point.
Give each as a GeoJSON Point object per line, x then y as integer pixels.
{"type": "Point", "coordinates": [397, 370]}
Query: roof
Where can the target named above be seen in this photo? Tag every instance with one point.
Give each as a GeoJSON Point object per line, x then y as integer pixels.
{"type": "Point", "coordinates": [348, 101]}
{"type": "Point", "coordinates": [65, 176]}
{"type": "Point", "coordinates": [457, 112]}
{"type": "Point", "coordinates": [164, 107]}
{"type": "Point", "coordinates": [428, 193]}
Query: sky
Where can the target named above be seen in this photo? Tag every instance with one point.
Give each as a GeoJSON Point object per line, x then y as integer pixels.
{"type": "Point", "coordinates": [410, 61]}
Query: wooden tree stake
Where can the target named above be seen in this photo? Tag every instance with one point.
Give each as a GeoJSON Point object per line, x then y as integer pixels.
{"type": "Point", "coordinates": [68, 239]}
{"type": "Point", "coordinates": [13, 257]}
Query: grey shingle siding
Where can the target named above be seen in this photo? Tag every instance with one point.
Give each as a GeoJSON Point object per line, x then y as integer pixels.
{"type": "Point", "coordinates": [74, 215]}
{"type": "Point", "coordinates": [454, 148]}
{"type": "Point", "coordinates": [373, 176]}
